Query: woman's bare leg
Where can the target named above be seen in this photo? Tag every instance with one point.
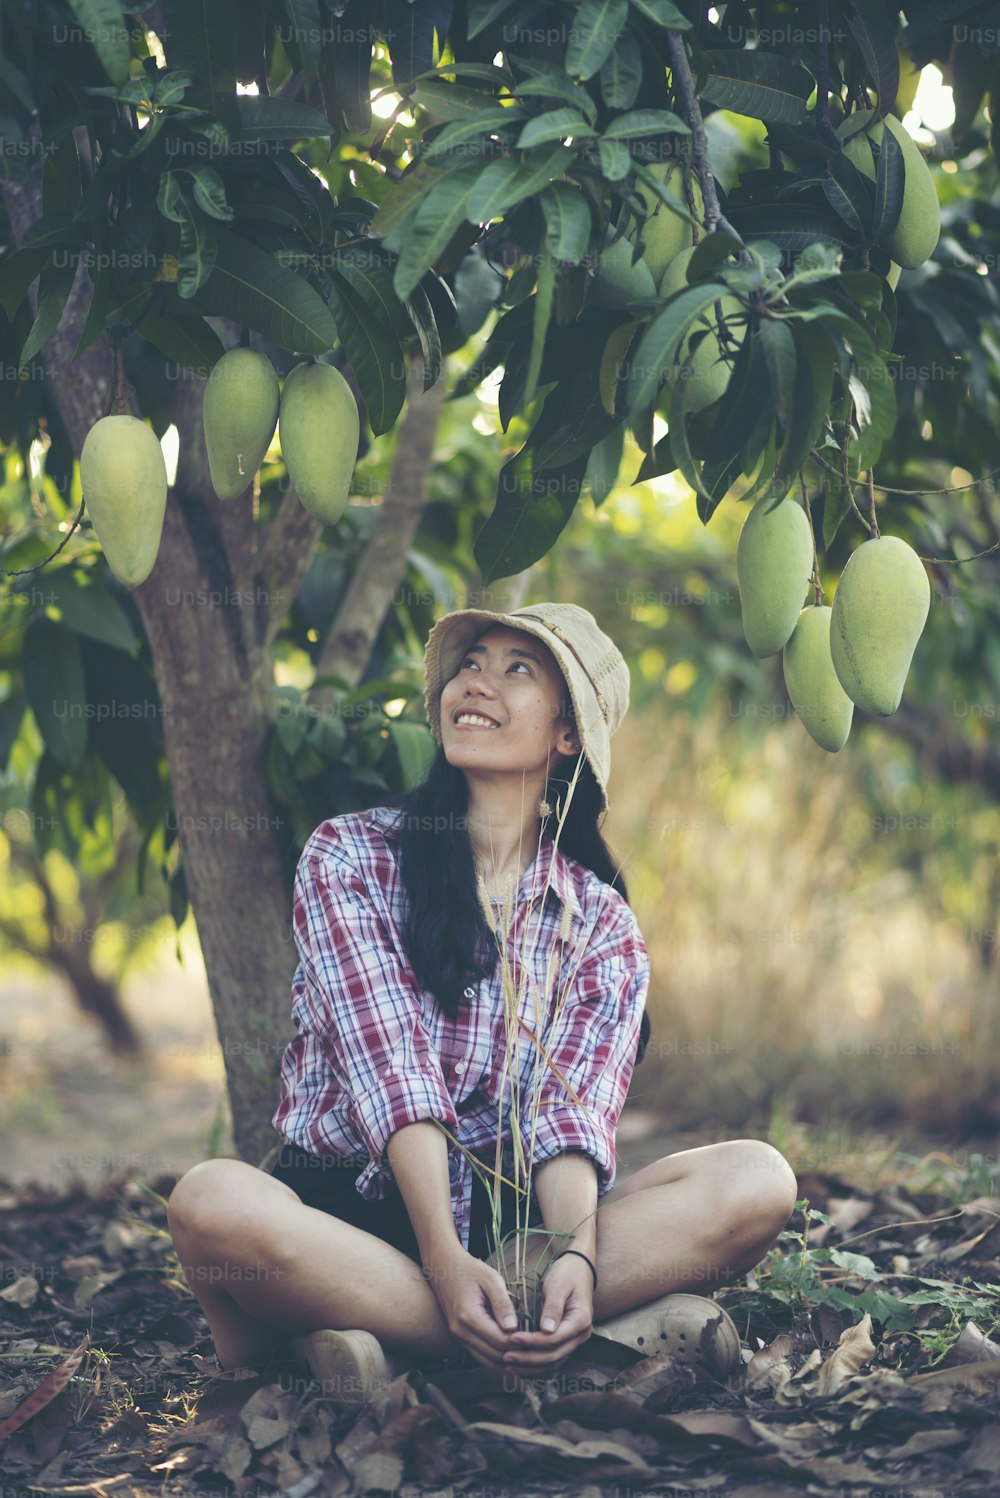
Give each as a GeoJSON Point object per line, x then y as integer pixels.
{"type": "Point", "coordinates": [690, 1221]}
{"type": "Point", "coordinates": [263, 1266]}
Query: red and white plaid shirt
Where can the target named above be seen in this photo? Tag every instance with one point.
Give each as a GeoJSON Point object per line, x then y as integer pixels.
{"type": "Point", "coordinates": [374, 1052]}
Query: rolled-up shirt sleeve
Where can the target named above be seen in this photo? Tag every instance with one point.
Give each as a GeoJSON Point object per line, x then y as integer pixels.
{"type": "Point", "coordinates": [360, 1001]}
{"type": "Point", "coordinates": [591, 1043]}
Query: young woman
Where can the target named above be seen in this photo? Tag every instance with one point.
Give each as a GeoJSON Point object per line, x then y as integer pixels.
{"type": "Point", "coordinates": [368, 1242]}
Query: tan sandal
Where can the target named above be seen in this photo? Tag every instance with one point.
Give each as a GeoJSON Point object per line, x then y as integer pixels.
{"type": "Point", "coordinates": [351, 1366]}
{"type": "Point", "coordinates": [693, 1329]}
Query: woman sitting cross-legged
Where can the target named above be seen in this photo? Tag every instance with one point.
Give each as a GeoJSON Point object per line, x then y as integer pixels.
{"type": "Point", "coordinates": [470, 971]}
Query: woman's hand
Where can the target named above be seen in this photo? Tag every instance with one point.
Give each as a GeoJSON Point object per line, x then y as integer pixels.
{"type": "Point", "coordinates": [475, 1303]}
{"type": "Point", "coordinates": [566, 1319]}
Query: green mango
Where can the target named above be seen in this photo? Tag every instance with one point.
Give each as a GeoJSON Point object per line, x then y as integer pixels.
{"type": "Point", "coordinates": [823, 707]}
{"type": "Point", "coordinates": [618, 282]}
{"type": "Point", "coordinates": [709, 372]}
{"type": "Point", "coordinates": [319, 428]}
{"type": "Point", "coordinates": [665, 234]}
{"type": "Point", "coordinates": [774, 563]}
{"type": "Point", "coordinates": [879, 612]}
{"type": "Point", "coordinates": [239, 414]}
{"type": "Point", "coordinates": [918, 227]}
{"type": "Point", "coordinates": [124, 482]}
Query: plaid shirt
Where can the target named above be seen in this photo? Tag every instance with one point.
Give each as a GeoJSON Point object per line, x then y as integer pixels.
{"type": "Point", "coordinates": [373, 1051]}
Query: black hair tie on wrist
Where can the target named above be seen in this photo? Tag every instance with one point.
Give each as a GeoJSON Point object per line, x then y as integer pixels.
{"type": "Point", "coordinates": [579, 1256]}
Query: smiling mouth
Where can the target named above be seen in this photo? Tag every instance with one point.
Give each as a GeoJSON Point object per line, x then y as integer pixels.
{"type": "Point", "coordinates": [465, 722]}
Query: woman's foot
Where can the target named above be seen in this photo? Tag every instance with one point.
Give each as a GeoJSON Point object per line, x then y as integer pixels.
{"type": "Point", "coordinates": [351, 1366]}
{"type": "Point", "coordinates": [691, 1328]}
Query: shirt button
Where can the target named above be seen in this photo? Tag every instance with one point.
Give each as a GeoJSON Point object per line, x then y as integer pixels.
{"type": "Point", "coordinates": [470, 993]}
{"type": "Point", "coordinates": [459, 1067]}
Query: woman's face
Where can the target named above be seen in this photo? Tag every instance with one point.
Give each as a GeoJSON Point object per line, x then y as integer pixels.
{"type": "Point", "coordinates": [512, 678]}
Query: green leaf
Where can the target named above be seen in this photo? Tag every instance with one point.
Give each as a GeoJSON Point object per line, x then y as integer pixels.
{"type": "Point", "coordinates": [253, 289]}
{"type": "Point", "coordinates": [782, 365]}
{"type": "Point", "coordinates": [567, 221]}
{"type": "Point", "coordinates": [367, 268]}
{"type": "Point", "coordinates": [553, 84]}
{"type": "Point", "coordinates": [761, 84]}
{"type": "Point", "coordinates": [543, 299]}
{"type": "Point", "coordinates": [662, 338]}
{"type": "Point", "coordinates": [876, 41]}
{"type": "Point", "coordinates": [307, 29]}
{"type": "Point", "coordinates": [717, 478]}
{"type": "Point", "coordinates": [375, 354]}
{"type": "Point", "coordinates": [484, 13]}
{"type": "Point", "coordinates": [596, 27]}
{"type": "Point", "coordinates": [462, 132]}
{"type": "Point", "coordinates": [556, 124]}
{"type": "Point", "coordinates": [542, 167]}
{"type": "Point", "coordinates": [201, 40]}
{"type": "Point", "coordinates": [88, 607]}
{"type": "Point", "coordinates": [616, 163]}
{"type": "Point", "coordinates": [171, 86]}
{"type": "Point", "coordinates": [530, 513]}
{"type": "Point", "coordinates": [104, 27]}
{"type": "Point", "coordinates": [676, 422]}
{"type": "Point", "coordinates": [448, 101]}
{"type": "Point", "coordinates": [791, 226]}
{"type": "Point", "coordinates": [17, 271]}
{"type": "Point", "coordinates": [890, 183]}
{"type": "Point", "coordinates": [639, 122]}
{"type": "Point", "coordinates": [621, 74]}
{"type": "Point", "coordinates": [415, 746]}
{"type": "Point", "coordinates": [418, 305]}
{"type": "Point", "coordinates": [814, 388]}
{"type": "Point", "coordinates": [439, 216]}
{"type": "Point", "coordinates": [56, 689]}
{"type": "Point", "coordinates": [849, 193]}
{"type": "Point", "coordinates": [662, 13]}
{"type": "Point", "coordinates": [188, 341]}
{"type": "Point", "coordinates": [168, 198]}
{"type": "Point", "coordinates": [264, 117]}
{"type": "Point", "coordinates": [604, 463]}
{"type": "Point", "coordinates": [197, 251]}
{"type": "Point", "coordinates": [54, 286]}
{"type": "Point", "coordinates": [12, 711]}
{"type": "Point", "coordinates": [210, 192]}
{"type": "Point", "coordinates": [497, 189]}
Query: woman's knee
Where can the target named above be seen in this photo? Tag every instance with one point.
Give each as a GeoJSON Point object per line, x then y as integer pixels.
{"type": "Point", "coordinates": [760, 1189]}
{"type": "Point", "coordinates": [222, 1198]}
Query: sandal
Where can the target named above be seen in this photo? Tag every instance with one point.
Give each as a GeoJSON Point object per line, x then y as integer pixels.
{"type": "Point", "coordinates": [693, 1329]}
{"type": "Point", "coordinates": [350, 1366]}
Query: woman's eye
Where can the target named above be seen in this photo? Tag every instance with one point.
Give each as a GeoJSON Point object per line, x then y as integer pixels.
{"type": "Point", "coordinates": [512, 664]}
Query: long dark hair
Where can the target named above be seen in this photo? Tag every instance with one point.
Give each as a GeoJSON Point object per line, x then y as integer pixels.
{"type": "Point", "coordinates": [448, 939]}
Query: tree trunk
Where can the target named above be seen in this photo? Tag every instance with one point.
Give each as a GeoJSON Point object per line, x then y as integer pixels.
{"type": "Point", "coordinates": [211, 608]}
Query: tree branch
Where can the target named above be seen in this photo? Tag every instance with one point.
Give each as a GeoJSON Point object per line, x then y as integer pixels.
{"type": "Point", "coordinates": [350, 639]}
{"type": "Point", "coordinates": [683, 81]}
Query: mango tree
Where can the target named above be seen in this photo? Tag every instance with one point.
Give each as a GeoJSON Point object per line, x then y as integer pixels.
{"type": "Point", "coordinates": [193, 178]}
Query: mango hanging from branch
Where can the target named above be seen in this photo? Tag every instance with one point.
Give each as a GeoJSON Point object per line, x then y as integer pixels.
{"type": "Point", "coordinates": [822, 705]}
{"type": "Point", "coordinates": [319, 429]}
{"type": "Point", "coordinates": [774, 562]}
{"type": "Point", "coordinates": [879, 612]}
{"type": "Point", "coordinates": [124, 482]}
{"type": "Point", "coordinates": [240, 413]}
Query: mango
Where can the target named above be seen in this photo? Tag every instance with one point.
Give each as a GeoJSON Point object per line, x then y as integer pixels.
{"type": "Point", "coordinates": [618, 282]}
{"type": "Point", "coordinates": [774, 563]}
{"type": "Point", "coordinates": [124, 482]}
{"type": "Point", "coordinates": [879, 612]}
{"type": "Point", "coordinates": [918, 227]}
{"type": "Point", "coordinates": [240, 414]}
{"type": "Point", "coordinates": [665, 233]}
{"type": "Point", "coordinates": [709, 372]}
{"type": "Point", "coordinates": [319, 428]}
{"type": "Point", "coordinates": [823, 707]}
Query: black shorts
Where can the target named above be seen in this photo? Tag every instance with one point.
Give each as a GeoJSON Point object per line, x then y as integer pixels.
{"type": "Point", "coordinates": [325, 1182]}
